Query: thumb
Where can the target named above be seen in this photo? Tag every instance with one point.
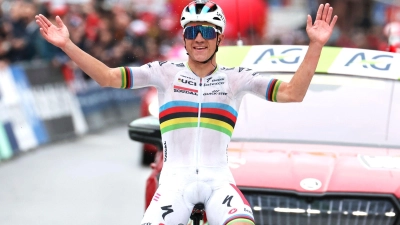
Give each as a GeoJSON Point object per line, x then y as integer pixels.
{"type": "Point", "coordinates": [59, 21]}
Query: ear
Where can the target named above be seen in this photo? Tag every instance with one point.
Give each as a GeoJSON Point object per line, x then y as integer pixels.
{"type": "Point", "coordinates": [220, 38]}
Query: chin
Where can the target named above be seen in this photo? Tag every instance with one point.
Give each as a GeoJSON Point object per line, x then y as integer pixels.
{"type": "Point", "coordinates": [201, 58]}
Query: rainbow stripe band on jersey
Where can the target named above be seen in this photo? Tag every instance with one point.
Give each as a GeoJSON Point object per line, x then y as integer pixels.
{"type": "Point", "coordinates": [126, 78]}
{"type": "Point", "coordinates": [272, 90]}
{"type": "Point", "coordinates": [240, 218]}
{"type": "Point", "coordinates": [183, 114]}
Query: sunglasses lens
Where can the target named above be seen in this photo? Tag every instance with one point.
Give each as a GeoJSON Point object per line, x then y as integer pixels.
{"type": "Point", "coordinates": [206, 31]}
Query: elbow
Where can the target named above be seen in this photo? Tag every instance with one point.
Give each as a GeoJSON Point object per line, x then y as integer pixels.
{"type": "Point", "coordinates": [295, 98]}
{"type": "Point", "coordinates": [103, 84]}
{"type": "Point", "coordinates": [107, 80]}
{"type": "Point", "coordinates": [298, 100]}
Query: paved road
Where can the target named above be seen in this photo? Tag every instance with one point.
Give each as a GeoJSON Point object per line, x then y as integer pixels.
{"type": "Point", "coordinates": [96, 179]}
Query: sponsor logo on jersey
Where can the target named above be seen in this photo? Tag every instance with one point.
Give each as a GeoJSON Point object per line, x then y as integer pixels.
{"type": "Point", "coordinates": [213, 84]}
{"type": "Point", "coordinates": [219, 79]}
{"type": "Point", "coordinates": [179, 65]}
{"type": "Point", "coordinates": [215, 92]}
{"type": "Point", "coordinates": [179, 89]}
{"type": "Point", "coordinates": [242, 68]}
{"type": "Point", "coordinates": [156, 197]}
{"type": "Point", "coordinates": [228, 200]}
{"type": "Point", "coordinates": [168, 209]}
{"type": "Point", "coordinates": [232, 211]}
{"type": "Point", "coordinates": [162, 63]}
{"type": "Point", "coordinates": [165, 151]}
{"type": "Point", "coordinates": [184, 81]}
{"type": "Point", "coordinates": [190, 78]}
{"type": "Point", "coordinates": [248, 211]}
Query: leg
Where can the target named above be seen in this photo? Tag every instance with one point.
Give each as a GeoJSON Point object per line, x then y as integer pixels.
{"type": "Point", "coordinates": [228, 206]}
{"type": "Point", "coordinates": [167, 207]}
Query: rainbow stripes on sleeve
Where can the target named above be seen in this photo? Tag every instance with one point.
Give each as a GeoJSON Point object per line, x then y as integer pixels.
{"type": "Point", "coordinates": [272, 90]}
{"type": "Point", "coordinates": [183, 114]}
{"type": "Point", "coordinates": [126, 78]}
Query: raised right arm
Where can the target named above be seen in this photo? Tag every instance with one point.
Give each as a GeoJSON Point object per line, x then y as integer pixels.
{"type": "Point", "coordinates": [98, 71]}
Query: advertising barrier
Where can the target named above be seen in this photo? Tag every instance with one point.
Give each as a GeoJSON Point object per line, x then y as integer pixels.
{"type": "Point", "coordinates": [333, 60]}
{"type": "Point", "coordinates": [52, 99]}
{"type": "Point", "coordinates": [40, 104]}
{"type": "Point", "coordinates": [5, 147]}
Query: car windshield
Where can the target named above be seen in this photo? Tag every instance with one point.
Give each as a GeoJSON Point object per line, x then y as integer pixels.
{"type": "Point", "coordinates": [338, 109]}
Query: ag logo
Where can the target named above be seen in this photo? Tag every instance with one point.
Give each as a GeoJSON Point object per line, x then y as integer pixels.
{"type": "Point", "coordinates": [288, 56]}
{"type": "Point", "coordinates": [310, 184]}
{"type": "Point", "coordinates": [377, 62]}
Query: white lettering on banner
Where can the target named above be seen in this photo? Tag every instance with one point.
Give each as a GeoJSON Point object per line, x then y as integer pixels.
{"type": "Point", "coordinates": [369, 63]}
{"type": "Point", "coordinates": [52, 101]}
{"type": "Point", "coordinates": [15, 111]}
{"type": "Point", "coordinates": [274, 58]}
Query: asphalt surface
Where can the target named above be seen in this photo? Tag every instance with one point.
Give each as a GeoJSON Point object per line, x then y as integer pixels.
{"type": "Point", "coordinates": [96, 179]}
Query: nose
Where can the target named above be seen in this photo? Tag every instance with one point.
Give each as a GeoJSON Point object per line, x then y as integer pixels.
{"type": "Point", "coordinates": [199, 37]}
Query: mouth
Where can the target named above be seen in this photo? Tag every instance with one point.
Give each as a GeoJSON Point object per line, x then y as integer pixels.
{"type": "Point", "coordinates": [200, 48]}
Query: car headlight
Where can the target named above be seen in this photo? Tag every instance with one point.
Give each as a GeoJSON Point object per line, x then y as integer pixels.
{"type": "Point", "coordinates": [153, 107]}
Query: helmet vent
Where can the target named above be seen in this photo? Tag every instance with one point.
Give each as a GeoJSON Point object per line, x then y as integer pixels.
{"type": "Point", "coordinates": [216, 18]}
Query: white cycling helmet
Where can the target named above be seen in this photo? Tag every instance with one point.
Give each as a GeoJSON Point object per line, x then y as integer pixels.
{"type": "Point", "coordinates": [203, 11]}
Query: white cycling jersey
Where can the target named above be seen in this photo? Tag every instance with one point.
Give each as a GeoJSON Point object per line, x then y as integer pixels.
{"type": "Point", "coordinates": [197, 117]}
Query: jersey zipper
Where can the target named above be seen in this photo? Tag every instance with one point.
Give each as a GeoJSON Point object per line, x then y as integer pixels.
{"type": "Point", "coordinates": [197, 149]}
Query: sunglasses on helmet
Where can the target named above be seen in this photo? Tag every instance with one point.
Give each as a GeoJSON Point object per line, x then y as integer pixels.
{"type": "Point", "coordinates": [208, 32]}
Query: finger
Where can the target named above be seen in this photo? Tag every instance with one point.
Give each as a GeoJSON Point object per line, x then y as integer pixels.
{"type": "Point", "coordinates": [309, 21]}
{"type": "Point", "coordinates": [335, 18]}
{"type": "Point", "coordinates": [42, 21]}
{"type": "Point", "coordinates": [329, 16]}
{"type": "Point", "coordinates": [44, 34]}
{"type": "Point", "coordinates": [41, 25]}
{"type": "Point", "coordinates": [45, 20]}
{"type": "Point", "coordinates": [325, 12]}
{"type": "Point", "coordinates": [319, 12]}
{"type": "Point", "coordinates": [59, 21]}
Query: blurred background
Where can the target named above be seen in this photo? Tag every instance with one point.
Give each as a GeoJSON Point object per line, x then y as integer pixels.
{"type": "Point", "coordinates": [65, 154]}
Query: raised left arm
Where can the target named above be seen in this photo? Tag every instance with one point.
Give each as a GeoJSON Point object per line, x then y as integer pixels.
{"type": "Point", "coordinates": [318, 33]}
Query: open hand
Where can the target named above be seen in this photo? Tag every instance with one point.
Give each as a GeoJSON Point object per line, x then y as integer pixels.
{"type": "Point", "coordinates": [321, 30]}
{"type": "Point", "coordinates": [56, 35]}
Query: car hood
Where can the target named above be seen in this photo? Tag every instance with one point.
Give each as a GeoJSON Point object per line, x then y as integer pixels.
{"type": "Point", "coordinates": [315, 168]}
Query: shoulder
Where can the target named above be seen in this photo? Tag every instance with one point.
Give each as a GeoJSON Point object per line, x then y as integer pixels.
{"type": "Point", "coordinates": [238, 71]}
{"type": "Point", "coordinates": [167, 65]}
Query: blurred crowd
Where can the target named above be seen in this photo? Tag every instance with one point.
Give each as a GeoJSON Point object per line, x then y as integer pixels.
{"type": "Point", "coordinates": [119, 35]}
{"type": "Point", "coordinates": [116, 36]}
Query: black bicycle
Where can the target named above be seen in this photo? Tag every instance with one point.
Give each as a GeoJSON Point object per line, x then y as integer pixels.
{"type": "Point", "coordinates": [197, 213]}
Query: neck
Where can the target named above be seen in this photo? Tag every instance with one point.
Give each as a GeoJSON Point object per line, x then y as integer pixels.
{"type": "Point", "coordinates": [202, 69]}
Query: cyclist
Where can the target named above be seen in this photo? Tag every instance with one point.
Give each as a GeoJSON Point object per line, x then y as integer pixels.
{"type": "Point", "coordinates": [198, 109]}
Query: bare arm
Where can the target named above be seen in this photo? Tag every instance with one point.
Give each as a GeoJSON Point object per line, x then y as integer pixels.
{"type": "Point", "coordinates": [319, 33]}
{"type": "Point", "coordinates": [59, 36]}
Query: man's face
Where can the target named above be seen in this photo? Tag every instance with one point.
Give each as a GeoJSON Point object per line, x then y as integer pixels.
{"type": "Point", "coordinates": [201, 49]}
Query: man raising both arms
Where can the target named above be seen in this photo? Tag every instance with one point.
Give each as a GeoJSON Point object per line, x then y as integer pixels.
{"type": "Point", "coordinates": [199, 101]}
